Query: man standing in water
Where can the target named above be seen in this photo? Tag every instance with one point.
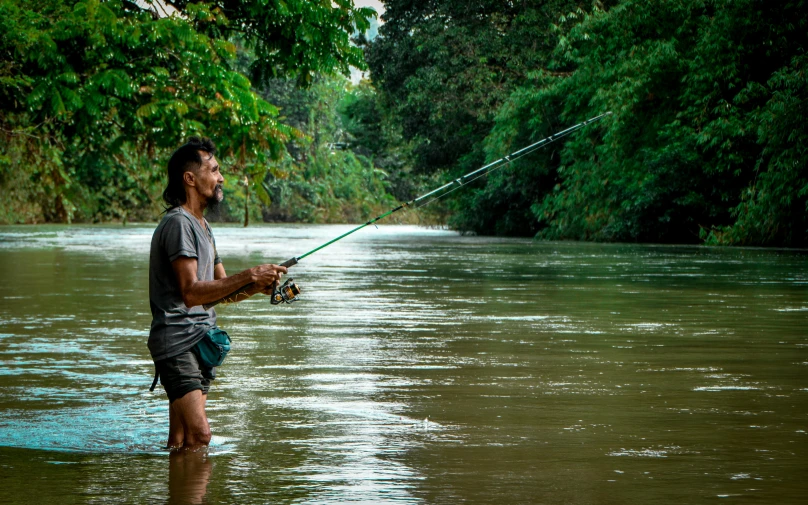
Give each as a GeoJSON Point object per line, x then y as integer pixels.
{"type": "Point", "coordinates": [185, 273]}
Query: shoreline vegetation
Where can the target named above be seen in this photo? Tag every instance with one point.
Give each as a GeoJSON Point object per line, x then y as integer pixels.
{"type": "Point", "coordinates": [707, 143]}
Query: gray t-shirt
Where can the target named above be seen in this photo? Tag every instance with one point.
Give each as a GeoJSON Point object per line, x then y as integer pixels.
{"type": "Point", "coordinates": [176, 328]}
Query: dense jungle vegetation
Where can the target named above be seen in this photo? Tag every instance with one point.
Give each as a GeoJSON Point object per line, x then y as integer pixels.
{"type": "Point", "coordinates": [95, 95]}
{"type": "Point", "coordinates": [706, 144]}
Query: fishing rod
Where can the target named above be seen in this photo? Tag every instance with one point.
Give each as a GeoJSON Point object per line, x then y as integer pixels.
{"type": "Point", "coordinates": [288, 291]}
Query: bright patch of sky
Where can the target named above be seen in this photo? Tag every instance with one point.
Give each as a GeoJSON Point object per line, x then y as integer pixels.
{"type": "Point", "coordinates": [376, 4]}
{"type": "Point", "coordinates": [162, 8]}
{"type": "Point", "coordinates": [356, 74]}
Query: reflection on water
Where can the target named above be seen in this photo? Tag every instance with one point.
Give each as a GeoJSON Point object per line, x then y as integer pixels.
{"type": "Point", "coordinates": [188, 477]}
{"type": "Point", "coordinates": [420, 367]}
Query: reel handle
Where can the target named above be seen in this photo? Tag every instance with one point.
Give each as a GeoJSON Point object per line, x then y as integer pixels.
{"type": "Point", "coordinates": [286, 293]}
{"type": "Point", "coordinates": [288, 263]}
{"type": "Point", "coordinates": [274, 287]}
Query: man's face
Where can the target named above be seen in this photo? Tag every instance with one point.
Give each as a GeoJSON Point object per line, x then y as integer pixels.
{"type": "Point", "coordinates": [209, 180]}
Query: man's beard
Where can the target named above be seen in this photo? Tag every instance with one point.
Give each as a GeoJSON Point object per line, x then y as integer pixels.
{"type": "Point", "coordinates": [214, 202]}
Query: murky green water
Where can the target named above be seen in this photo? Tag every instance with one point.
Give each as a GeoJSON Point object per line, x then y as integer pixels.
{"type": "Point", "coordinates": [422, 367]}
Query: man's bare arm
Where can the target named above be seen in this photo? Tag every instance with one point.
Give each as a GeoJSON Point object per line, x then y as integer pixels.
{"type": "Point", "coordinates": [219, 273]}
{"type": "Point", "coordinates": [195, 292]}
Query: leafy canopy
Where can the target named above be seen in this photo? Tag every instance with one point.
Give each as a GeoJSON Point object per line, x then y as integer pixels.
{"type": "Point", "coordinates": [708, 138]}
{"type": "Point", "coordinates": [93, 95]}
{"type": "Point", "coordinates": [446, 67]}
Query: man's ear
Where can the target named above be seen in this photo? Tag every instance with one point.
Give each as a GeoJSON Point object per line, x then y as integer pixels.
{"type": "Point", "coordinates": [189, 178]}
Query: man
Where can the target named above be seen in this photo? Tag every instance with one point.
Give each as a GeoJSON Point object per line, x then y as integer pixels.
{"type": "Point", "coordinates": [185, 273]}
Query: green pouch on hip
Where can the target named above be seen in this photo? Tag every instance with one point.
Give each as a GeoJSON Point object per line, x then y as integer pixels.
{"type": "Point", "coordinates": [213, 347]}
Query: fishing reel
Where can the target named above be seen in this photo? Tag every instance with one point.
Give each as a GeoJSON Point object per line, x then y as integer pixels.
{"type": "Point", "coordinates": [286, 293]}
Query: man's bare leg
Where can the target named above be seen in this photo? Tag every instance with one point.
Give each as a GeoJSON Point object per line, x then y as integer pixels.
{"type": "Point", "coordinates": [176, 433]}
{"type": "Point", "coordinates": [190, 409]}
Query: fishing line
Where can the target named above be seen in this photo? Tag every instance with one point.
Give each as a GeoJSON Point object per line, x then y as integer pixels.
{"type": "Point", "coordinates": [289, 290]}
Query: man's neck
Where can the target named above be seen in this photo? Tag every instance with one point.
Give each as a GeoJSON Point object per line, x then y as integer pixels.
{"type": "Point", "coordinates": [195, 210]}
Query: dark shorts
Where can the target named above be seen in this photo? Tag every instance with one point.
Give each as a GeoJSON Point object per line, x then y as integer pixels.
{"type": "Point", "coordinates": [183, 373]}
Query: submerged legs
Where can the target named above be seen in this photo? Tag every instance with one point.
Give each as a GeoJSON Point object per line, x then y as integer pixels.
{"type": "Point", "coordinates": [188, 424]}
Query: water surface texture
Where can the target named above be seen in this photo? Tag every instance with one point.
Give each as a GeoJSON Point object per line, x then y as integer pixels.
{"type": "Point", "coordinates": [421, 367]}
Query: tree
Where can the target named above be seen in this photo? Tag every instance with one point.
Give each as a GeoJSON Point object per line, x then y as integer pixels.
{"type": "Point", "coordinates": [445, 68]}
{"type": "Point", "coordinates": [707, 138]}
{"type": "Point", "coordinates": [89, 90]}
{"type": "Point", "coordinates": [292, 38]}
{"type": "Point", "coordinates": [326, 176]}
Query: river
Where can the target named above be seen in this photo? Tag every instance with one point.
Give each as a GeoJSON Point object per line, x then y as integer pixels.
{"type": "Point", "coordinates": [420, 366]}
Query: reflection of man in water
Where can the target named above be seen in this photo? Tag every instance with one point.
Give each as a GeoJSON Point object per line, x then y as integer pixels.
{"type": "Point", "coordinates": [185, 272]}
{"type": "Point", "coordinates": [188, 477]}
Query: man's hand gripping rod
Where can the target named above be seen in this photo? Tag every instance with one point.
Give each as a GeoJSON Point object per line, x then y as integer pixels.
{"type": "Point", "coordinates": [278, 294]}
